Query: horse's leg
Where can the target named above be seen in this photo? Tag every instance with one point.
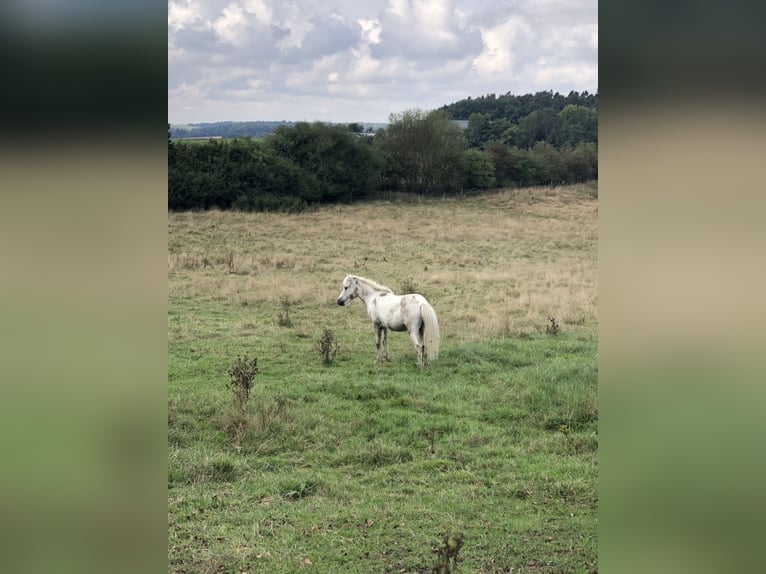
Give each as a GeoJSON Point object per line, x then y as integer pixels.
{"type": "Point", "coordinates": [385, 345]}
{"type": "Point", "coordinates": [417, 340]}
{"type": "Point", "coordinates": [378, 331]}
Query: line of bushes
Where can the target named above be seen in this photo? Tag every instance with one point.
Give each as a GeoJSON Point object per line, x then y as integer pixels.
{"type": "Point", "coordinates": [311, 163]}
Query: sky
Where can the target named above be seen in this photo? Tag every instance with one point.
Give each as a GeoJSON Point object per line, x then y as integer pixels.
{"type": "Point", "coordinates": [363, 60]}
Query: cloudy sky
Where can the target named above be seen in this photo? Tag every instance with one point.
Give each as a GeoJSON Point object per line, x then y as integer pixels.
{"type": "Point", "coordinates": [361, 60]}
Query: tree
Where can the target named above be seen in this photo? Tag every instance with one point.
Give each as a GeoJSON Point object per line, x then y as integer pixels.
{"type": "Point", "coordinates": [579, 124]}
{"type": "Point", "coordinates": [582, 162]}
{"type": "Point", "coordinates": [547, 163]}
{"type": "Point", "coordinates": [479, 169]}
{"type": "Point", "coordinates": [498, 128]}
{"type": "Point", "coordinates": [542, 125]}
{"type": "Point", "coordinates": [342, 164]}
{"type": "Point", "coordinates": [478, 131]}
{"type": "Point", "coordinates": [524, 120]}
{"type": "Point", "coordinates": [426, 149]}
{"type": "Point", "coordinates": [508, 165]}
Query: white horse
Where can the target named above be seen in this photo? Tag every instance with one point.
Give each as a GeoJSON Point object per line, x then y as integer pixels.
{"type": "Point", "coordinates": [411, 313]}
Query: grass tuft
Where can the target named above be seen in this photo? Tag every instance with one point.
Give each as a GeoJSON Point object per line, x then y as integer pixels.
{"type": "Point", "coordinates": [253, 424]}
{"type": "Point", "coordinates": [283, 318]}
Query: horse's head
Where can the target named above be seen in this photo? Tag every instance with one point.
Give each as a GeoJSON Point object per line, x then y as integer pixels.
{"type": "Point", "coordinates": [350, 288]}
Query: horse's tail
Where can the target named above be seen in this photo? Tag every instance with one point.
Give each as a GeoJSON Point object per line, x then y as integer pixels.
{"type": "Point", "coordinates": [430, 330]}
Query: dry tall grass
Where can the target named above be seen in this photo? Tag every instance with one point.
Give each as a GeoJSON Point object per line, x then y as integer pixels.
{"type": "Point", "coordinates": [494, 265]}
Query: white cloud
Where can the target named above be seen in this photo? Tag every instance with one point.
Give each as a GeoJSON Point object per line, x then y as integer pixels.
{"type": "Point", "coordinates": [370, 30]}
{"type": "Point", "coordinates": [260, 9]}
{"type": "Point", "coordinates": [571, 40]}
{"type": "Point", "coordinates": [181, 14]}
{"type": "Point", "coordinates": [295, 22]}
{"type": "Point", "coordinates": [578, 75]}
{"type": "Point", "coordinates": [331, 59]}
{"type": "Point", "coordinates": [424, 29]}
{"type": "Point", "coordinates": [230, 25]}
{"type": "Point", "coordinates": [558, 10]}
{"type": "Point", "coordinates": [501, 44]}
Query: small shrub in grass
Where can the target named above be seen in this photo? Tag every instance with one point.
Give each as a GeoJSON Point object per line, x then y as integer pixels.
{"type": "Point", "coordinates": [328, 347]}
{"type": "Point", "coordinates": [284, 315]}
{"type": "Point", "coordinates": [231, 263]}
{"type": "Point", "coordinates": [432, 434]}
{"type": "Point", "coordinates": [446, 555]}
{"type": "Point", "coordinates": [241, 376]}
{"type": "Point", "coordinates": [552, 328]}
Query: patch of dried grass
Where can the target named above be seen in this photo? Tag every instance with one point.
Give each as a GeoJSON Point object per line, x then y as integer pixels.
{"type": "Point", "coordinates": [495, 265]}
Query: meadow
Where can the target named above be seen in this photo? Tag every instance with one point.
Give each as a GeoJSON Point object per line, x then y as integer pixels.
{"type": "Point", "coordinates": [337, 464]}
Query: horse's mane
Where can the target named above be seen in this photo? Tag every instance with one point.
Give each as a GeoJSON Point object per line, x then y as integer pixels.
{"type": "Point", "coordinates": [374, 284]}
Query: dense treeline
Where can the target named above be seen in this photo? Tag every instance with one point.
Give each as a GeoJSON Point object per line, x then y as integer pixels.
{"type": "Point", "coordinates": [522, 121]}
{"type": "Point", "coordinates": [424, 153]}
{"type": "Point", "coordinates": [515, 108]}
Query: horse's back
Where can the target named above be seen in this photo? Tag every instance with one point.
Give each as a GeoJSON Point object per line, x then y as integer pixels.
{"type": "Point", "coordinates": [384, 310]}
{"type": "Point", "coordinates": [411, 303]}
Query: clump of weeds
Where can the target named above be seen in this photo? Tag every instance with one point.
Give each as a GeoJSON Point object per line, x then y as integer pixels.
{"type": "Point", "coordinates": [284, 315]}
{"type": "Point", "coordinates": [446, 555]}
{"type": "Point", "coordinates": [328, 347]}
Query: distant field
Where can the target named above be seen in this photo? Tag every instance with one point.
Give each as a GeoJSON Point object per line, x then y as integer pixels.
{"type": "Point", "coordinates": [357, 467]}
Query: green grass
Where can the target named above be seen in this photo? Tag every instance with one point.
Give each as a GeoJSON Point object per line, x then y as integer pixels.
{"type": "Point", "coordinates": [364, 467]}
{"type": "Point", "coordinates": [349, 466]}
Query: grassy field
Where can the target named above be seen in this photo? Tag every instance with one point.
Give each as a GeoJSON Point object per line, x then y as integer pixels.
{"type": "Point", "coordinates": [348, 466]}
